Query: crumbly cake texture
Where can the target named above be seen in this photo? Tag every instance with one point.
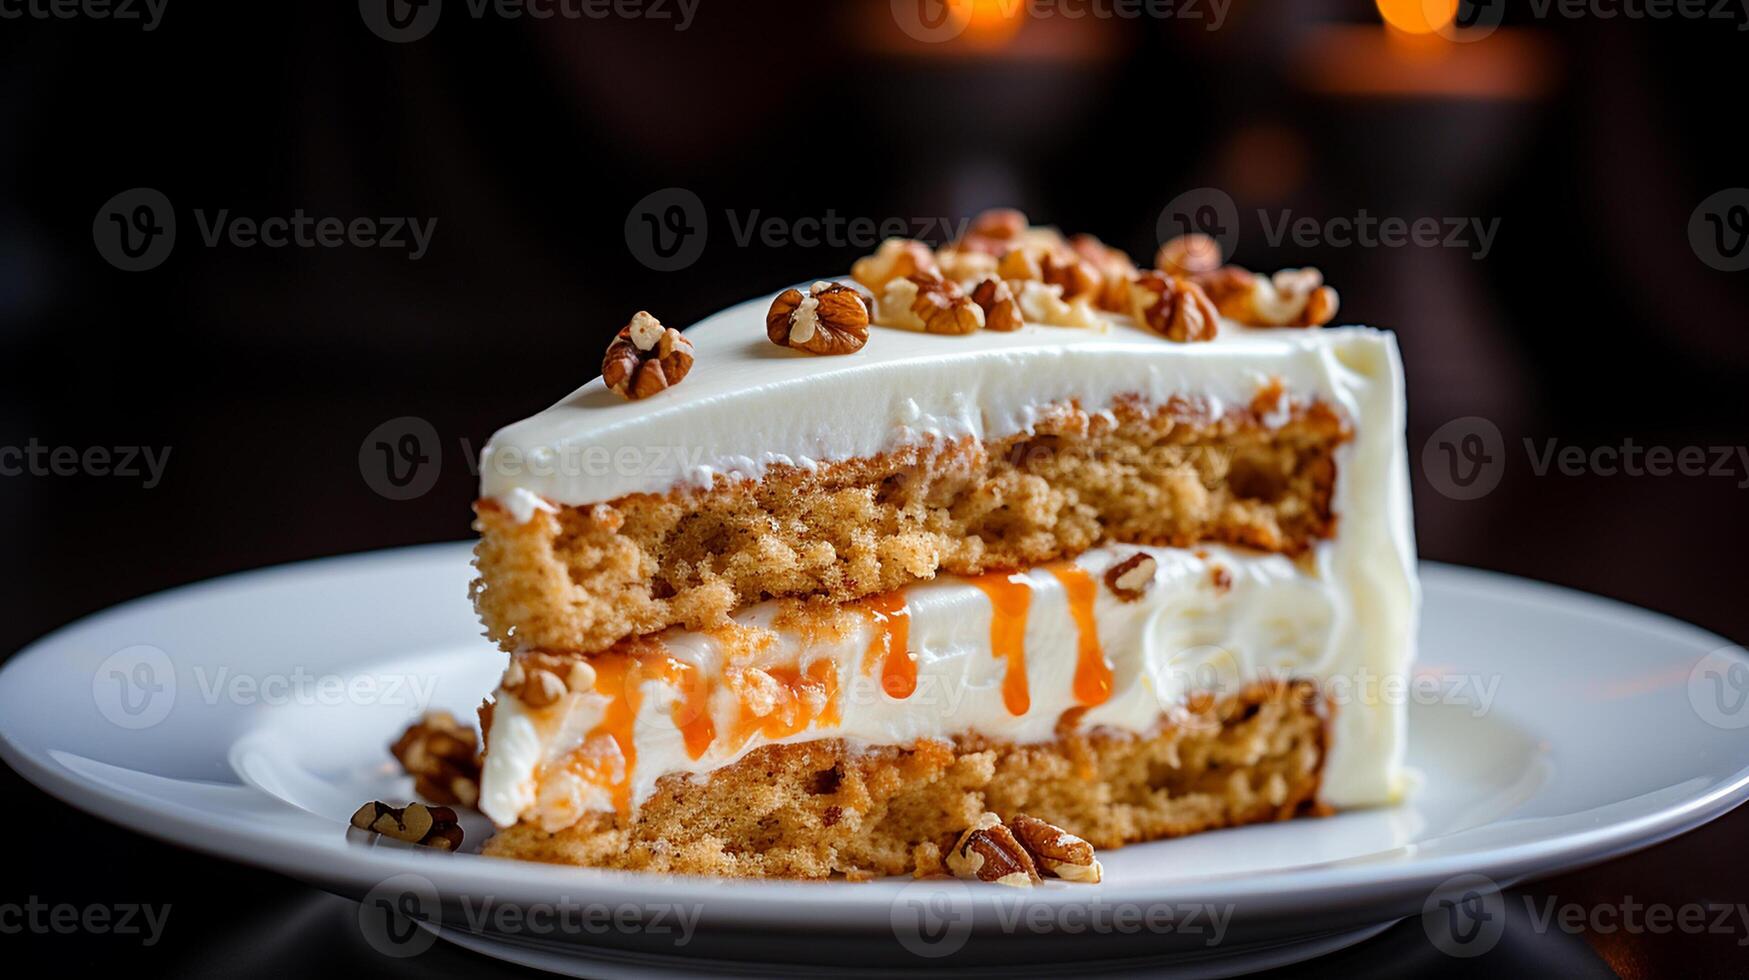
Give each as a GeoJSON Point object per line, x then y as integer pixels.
{"type": "Point", "coordinates": [818, 809]}
{"type": "Point", "coordinates": [583, 578]}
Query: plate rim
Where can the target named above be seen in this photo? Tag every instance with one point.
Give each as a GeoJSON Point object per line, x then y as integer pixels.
{"type": "Point", "coordinates": [1264, 895]}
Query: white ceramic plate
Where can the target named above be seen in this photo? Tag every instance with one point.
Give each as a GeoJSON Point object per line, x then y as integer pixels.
{"type": "Point", "coordinates": [248, 717]}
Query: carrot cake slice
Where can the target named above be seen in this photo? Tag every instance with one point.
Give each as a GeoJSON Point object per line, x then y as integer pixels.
{"type": "Point", "coordinates": [852, 579]}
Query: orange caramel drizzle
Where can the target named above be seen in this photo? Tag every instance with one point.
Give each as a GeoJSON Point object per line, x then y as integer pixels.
{"type": "Point", "coordinates": [1009, 602]}
{"type": "Point", "coordinates": [1092, 670]}
{"type": "Point", "coordinates": [609, 754]}
{"type": "Point", "coordinates": [692, 710]}
{"type": "Point", "coordinates": [891, 644]}
{"type": "Point", "coordinates": [795, 700]}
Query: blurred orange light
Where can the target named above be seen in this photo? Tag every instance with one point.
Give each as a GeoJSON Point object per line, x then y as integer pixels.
{"type": "Point", "coordinates": [992, 23]}
{"type": "Point", "coordinates": [1418, 16]}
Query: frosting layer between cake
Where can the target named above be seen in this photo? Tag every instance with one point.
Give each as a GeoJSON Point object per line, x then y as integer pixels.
{"type": "Point", "coordinates": [1002, 655]}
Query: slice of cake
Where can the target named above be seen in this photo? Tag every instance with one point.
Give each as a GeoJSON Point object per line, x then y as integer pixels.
{"type": "Point", "coordinates": [1006, 531]}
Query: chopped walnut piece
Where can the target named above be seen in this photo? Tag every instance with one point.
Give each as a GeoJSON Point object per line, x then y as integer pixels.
{"type": "Point", "coordinates": [831, 318]}
{"type": "Point", "coordinates": [993, 231]}
{"type": "Point", "coordinates": [965, 266]}
{"type": "Point", "coordinates": [1174, 308]}
{"type": "Point", "coordinates": [539, 679]}
{"type": "Point", "coordinates": [1115, 268]}
{"type": "Point", "coordinates": [1000, 223]}
{"type": "Point", "coordinates": [1001, 311]}
{"type": "Point", "coordinates": [987, 851]}
{"type": "Point", "coordinates": [1074, 276]}
{"type": "Point", "coordinates": [931, 304]}
{"type": "Point", "coordinates": [645, 358]}
{"type": "Point", "coordinates": [1042, 303]}
{"type": "Point", "coordinates": [1021, 263]}
{"type": "Point", "coordinates": [1131, 578]}
{"type": "Point", "coordinates": [1078, 277]}
{"type": "Point", "coordinates": [441, 757]}
{"type": "Point", "coordinates": [1189, 255]}
{"type": "Point", "coordinates": [895, 259]}
{"type": "Point", "coordinates": [415, 823]}
{"type": "Point", "coordinates": [1055, 850]}
{"type": "Point", "coordinates": [1290, 298]}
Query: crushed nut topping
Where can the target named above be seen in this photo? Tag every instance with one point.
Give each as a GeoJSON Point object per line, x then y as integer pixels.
{"type": "Point", "coordinates": [965, 266]}
{"type": "Point", "coordinates": [994, 231]}
{"type": "Point", "coordinates": [1042, 303]}
{"type": "Point", "coordinates": [1078, 277]}
{"type": "Point", "coordinates": [1188, 255]}
{"type": "Point", "coordinates": [1131, 578]}
{"type": "Point", "coordinates": [895, 259]}
{"type": "Point", "coordinates": [415, 823]}
{"type": "Point", "coordinates": [441, 757]}
{"type": "Point", "coordinates": [645, 358]}
{"type": "Point", "coordinates": [931, 304]}
{"type": "Point", "coordinates": [1174, 308]}
{"type": "Point", "coordinates": [1115, 268]}
{"type": "Point", "coordinates": [987, 851]}
{"type": "Point", "coordinates": [1290, 298]}
{"type": "Point", "coordinates": [1001, 311]}
{"type": "Point", "coordinates": [831, 318]}
{"type": "Point", "coordinates": [539, 679]}
{"type": "Point", "coordinates": [1056, 851]}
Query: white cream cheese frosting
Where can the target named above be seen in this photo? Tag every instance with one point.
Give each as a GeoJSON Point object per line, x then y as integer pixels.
{"type": "Point", "coordinates": [1342, 614]}
{"type": "Point", "coordinates": [1211, 620]}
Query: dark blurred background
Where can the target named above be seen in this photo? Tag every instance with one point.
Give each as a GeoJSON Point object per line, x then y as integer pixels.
{"type": "Point", "coordinates": [1590, 315]}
